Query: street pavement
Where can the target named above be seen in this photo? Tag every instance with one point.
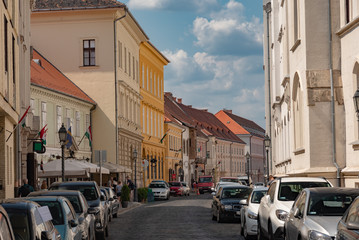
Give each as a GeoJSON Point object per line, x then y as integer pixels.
{"type": "Point", "coordinates": [179, 218]}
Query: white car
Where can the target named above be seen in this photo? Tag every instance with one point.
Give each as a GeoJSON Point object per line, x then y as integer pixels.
{"type": "Point", "coordinates": [160, 190]}
{"type": "Point", "coordinates": [249, 213]}
{"type": "Point", "coordinates": [186, 189]}
{"type": "Point", "coordinates": [274, 207]}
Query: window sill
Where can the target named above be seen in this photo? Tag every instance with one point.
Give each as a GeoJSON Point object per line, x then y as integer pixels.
{"type": "Point", "coordinates": [296, 44]}
{"type": "Point", "coordinates": [299, 151]}
{"type": "Point", "coordinates": [89, 67]}
{"type": "Point", "coordinates": [355, 145]}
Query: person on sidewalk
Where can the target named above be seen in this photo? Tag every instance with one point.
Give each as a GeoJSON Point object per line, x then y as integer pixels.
{"type": "Point", "coordinates": [131, 186]}
{"type": "Point", "coordinates": [25, 189]}
{"type": "Point", "coordinates": [118, 190]}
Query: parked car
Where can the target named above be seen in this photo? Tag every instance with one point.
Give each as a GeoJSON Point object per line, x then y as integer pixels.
{"type": "Point", "coordinates": [176, 188]}
{"type": "Point", "coordinates": [106, 203]}
{"type": "Point", "coordinates": [230, 179]}
{"type": "Point", "coordinates": [163, 181]}
{"type": "Point", "coordinates": [249, 212]}
{"type": "Point", "coordinates": [186, 189]}
{"type": "Point", "coordinates": [113, 200]}
{"type": "Point", "coordinates": [63, 215]}
{"type": "Point", "coordinates": [160, 190]}
{"type": "Point", "coordinates": [93, 196]}
{"type": "Point", "coordinates": [219, 184]}
{"type": "Point", "coordinates": [5, 226]}
{"type": "Point", "coordinates": [25, 220]}
{"type": "Point", "coordinates": [205, 183]}
{"type": "Point", "coordinates": [274, 207]}
{"type": "Point", "coordinates": [348, 226]}
{"type": "Point", "coordinates": [316, 212]}
{"type": "Point", "coordinates": [228, 201]}
{"type": "Point", "coordinates": [84, 213]}
{"type": "Point", "coordinates": [259, 184]}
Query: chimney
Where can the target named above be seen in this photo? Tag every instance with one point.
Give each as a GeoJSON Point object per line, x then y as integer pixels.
{"type": "Point", "coordinates": [179, 100]}
{"type": "Point", "coordinates": [227, 110]}
{"type": "Point", "coordinates": [168, 94]}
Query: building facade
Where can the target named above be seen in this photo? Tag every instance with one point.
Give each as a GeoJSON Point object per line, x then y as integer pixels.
{"type": "Point", "coordinates": [152, 64]}
{"type": "Point", "coordinates": [305, 114]}
{"type": "Point", "coordinates": [87, 34]}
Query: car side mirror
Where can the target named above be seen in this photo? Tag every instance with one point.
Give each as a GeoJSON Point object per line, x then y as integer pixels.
{"type": "Point", "coordinates": [352, 226]}
{"type": "Point", "coordinates": [73, 223]}
{"type": "Point", "coordinates": [102, 198]}
{"type": "Point", "coordinates": [93, 211]}
{"type": "Point", "coordinates": [46, 235]}
{"type": "Point", "coordinates": [297, 213]}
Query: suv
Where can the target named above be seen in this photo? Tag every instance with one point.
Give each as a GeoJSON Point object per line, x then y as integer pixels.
{"type": "Point", "coordinates": [274, 207]}
{"type": "Point", "coordinates": [93, 195]}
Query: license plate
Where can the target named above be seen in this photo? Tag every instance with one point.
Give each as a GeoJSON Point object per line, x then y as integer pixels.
{"type": "Point", "coordinates": [238, 213]}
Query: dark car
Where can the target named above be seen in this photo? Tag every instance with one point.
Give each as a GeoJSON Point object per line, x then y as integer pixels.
{"type": "Point", "coordinates": [5, 226]}
{"type": "Point", "coordinates": [113, 200]}
{"type": "Point", "coordinates": [228, 201]}
{"type": "Point", "coordinates": [26, 220]}
{"type": "Point", "coordinates": [84, 214]}
{"type": "Point", "coordinates": [92, 193]}
{"type": "Point", "coordinates": [348, 226]}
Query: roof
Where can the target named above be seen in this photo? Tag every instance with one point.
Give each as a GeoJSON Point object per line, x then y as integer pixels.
{"type": "Point", "coordinates": [333, 190]}
{"type": "Point", "coordinates": [17, 203]}
{"type": "Point", "coordinates": [44, 74]}
{"type": "Point", "coordinates": [174, 112]}
{"type": "Point", "coordinates": [247, 124]}
{"type": "Point", "coordinates": [55, 193]}
{"type": "Point", "coordinates": [302, 179]}
{"type": "Point", "coordinates": [74, 183]}
{"type": "Point", "coordinates": [75, 4]}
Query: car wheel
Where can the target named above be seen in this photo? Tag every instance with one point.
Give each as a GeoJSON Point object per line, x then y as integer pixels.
{"type": "Point", "coordinates": [270, 231]}
{"type": "Point", "coordinates": [219, 217]}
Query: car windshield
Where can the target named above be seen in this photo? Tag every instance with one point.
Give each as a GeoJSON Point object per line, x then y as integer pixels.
{"type": "Point", "coordinates": [241, 193]}
{"type": "Point", "coordinates": [205, 179]}
{"type": "Point", "coordinates": [20, 225]}
{"type": "Point", "coordinates": [229, 180]}
{"type": "Point", "coordinates": [89, 192]}
{"type": "Point", "coordinates": [288, 191]}
{"type": "Point", "coordinates": [75, 201]}
{"type": "Point", "coordinates": [257, 196]}
{"type": "Point", "coordinates": [157, 185]}
{"type": "Point", "coordinates": [329, 204]}
{"type": "Point", "coordinates": [175, 184]}
{"type": "Point", "coordinates": [55, 210]}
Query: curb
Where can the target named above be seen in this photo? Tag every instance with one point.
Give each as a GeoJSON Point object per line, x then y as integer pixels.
{"type": "Point", "coordinates": [131, 205]}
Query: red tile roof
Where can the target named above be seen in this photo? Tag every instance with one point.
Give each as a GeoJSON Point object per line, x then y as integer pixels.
{"type": "Point", "coordinates": [46, 75]}
{"type": "Point", "coordinates": [75, 4]}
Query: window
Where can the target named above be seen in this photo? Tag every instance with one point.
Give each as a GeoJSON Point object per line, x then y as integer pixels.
{"type": "Point", "coordinates": [129, 64]}
{"type": "Point", "coordinates": [59, 116]}
{"type": "Point", "coordinates": [147, 79]}
{"type": "Point", "coordinates": [143, 76]}
{"type": "Point", "coordinates": [68, 119]}
{"type": "Point", "coordinates": [295, 16]}
{"type": "Point", "coordinates": [43, 114]}
{"type": "Point", "coordinates": [77, 124]}
{"type": "Point", "coordinates": [6, 57]}
{"type": "Point", "coordinates": [89, 56]}
{"type": "Point", "coordinates": [297, 112]}
{"type": "Point", "coordinates": [120, 54]}
{"type": "Point", "coordinates": [125, 60]}
{"type": "Point", "coordinates": [133, 68]}
{"type": "Point", "coordinates": [347, 11]}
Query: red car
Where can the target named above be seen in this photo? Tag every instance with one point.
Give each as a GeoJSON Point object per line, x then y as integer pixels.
{"type": "Point", "coordinates": [176, 188]}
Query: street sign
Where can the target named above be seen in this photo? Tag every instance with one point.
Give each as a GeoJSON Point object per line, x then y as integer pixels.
{"type": "Point", "coordinates": [144, 163]}
{"type": "Point", "coordinates": [100, 154]}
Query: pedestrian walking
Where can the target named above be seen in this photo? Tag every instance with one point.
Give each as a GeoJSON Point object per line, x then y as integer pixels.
{"type": "Point", "coordinates": [43, 185]}
{"type": "Point", "coordinates": [131, 186]}
{"type": "Point", "coordinates": [110, 183]}
{"type": "Point", "coordinates": [118, 190]}
{"type": "Point", "coordinates": [25, 189]}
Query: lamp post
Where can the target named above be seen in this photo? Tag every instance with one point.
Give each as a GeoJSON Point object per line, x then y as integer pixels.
{"type": "Point", "coordinates": [267, 146]}
{"type": "Point", "coordinates": [356, 102]}
{"type": "Point", "coordinates": [135, 159]}
{"type": "Point", "coordinates": [62, 137]}
{"type": "Point", "coordinates": [248, 156]}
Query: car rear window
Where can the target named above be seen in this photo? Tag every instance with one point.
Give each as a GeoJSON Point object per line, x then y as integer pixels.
{"type": "Point", "coordinates": [157, 185]}
{"type": "Point", "coordinates": [329, 204]}
{"type": "Point", "coordinates": [89, 192]}
{"type": "Point", "coordinates": [242, 193]}
{"type": "Point", "coordinates": [175, 184]}
{"type": "Point", "coordinates": [229, 180]}
{"type": "Point", "coordinates": [55, 210]}
{"type": "Point", "coordinates": [288, 191]}
{"type": "Point", "coordinates": [205, 179]}
{"type": "Point", "coordinates": [257, 196]}
{"type": "Point", "coordinates": [20, 224]}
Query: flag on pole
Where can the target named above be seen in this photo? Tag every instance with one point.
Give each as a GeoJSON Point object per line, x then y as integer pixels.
{"type": "Point", "coordinates": [161, 141]}
{"type": "Point", "coordinates": [88, 134]}
{"type": "Point", "coordinates": [43, 134]}
{"type": "Point", "coordinates": [69, 138]}
{"type": "Point", "coordinates": [23, 116]}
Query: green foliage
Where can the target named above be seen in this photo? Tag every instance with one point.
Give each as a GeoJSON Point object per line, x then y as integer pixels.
{"type": "Point", "coordinates": [125, 193]}
{"type": "Point", "coordinates": [142, 194]}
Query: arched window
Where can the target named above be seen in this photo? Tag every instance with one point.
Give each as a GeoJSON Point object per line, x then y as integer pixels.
{"type": "Point", "coordinates": [297, 112]}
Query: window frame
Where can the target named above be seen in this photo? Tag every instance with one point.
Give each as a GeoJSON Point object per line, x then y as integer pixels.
{"type": "Point", "coordinates": [89, 49]}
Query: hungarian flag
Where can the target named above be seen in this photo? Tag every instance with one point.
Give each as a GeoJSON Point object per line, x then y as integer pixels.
{"type": "Point", "coordinates": [88, 134]}
{"type": "Point", "coordinates": [43, 134]}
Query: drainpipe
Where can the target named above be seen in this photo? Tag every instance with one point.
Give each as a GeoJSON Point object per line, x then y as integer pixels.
{"type": "Point", "coordinates": [230, 157]}
{"type": "Point", "coordinates": [115, 67]}
{"type": "Point", "coordinates": [268, 10]}
{"type": "Point", "coordinates": [332, 103]}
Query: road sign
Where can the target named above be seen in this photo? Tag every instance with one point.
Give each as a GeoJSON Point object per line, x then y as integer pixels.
{"type": "Point", "coordinates": [144, 163]}
{"type": "Point", "coordinates": [101, 154]}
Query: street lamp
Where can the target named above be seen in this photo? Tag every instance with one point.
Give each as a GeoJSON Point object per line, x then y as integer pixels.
{"type": "Point", "coordinates": [62, 137]}
{"type": "Point", "coordinates": [356, 102]}
{"type": "Point", "coordinates": [267, 146]}
{"type": "Point", "coordinates": [135, 158]}
{"type": "Point", "coordinates": [248, 156]}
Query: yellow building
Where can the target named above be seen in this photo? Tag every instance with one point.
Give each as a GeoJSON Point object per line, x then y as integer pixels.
{"type": "Point", "coordinates": [173, 154]}
{"type": "Point", "coordinates": [152, 63]}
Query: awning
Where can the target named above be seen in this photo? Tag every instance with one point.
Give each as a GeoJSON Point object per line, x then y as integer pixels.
{"type": "Point", "coordinates": [93, 168]}
{"type": "Point", "coordinates": [115, 168]}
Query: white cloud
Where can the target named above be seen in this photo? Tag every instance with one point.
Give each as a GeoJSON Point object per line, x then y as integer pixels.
{"type": "Point", "coordinates": [173, 5]}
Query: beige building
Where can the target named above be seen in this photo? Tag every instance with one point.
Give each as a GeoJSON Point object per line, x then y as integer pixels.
{"type": "Point", "coordinates": [305, 114]}
{"type": "Point", "coordinates": [348, 32]}
{"type": "Point", "coordinates": [15, 93]}
{"type": "Point", "coordinates": [84, 37]}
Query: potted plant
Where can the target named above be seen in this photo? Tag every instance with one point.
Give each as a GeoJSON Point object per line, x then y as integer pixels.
{"type": "Point", "coordinates": [142, 194]}
{"type": "Point", "coordinates": [125, 196]}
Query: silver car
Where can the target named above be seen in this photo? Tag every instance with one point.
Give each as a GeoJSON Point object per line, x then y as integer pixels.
{"type": "Point", "coordinates": [316, 212]}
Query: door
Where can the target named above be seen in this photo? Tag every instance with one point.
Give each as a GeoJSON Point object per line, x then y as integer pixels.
{"type": "Point", "coordinates": [296, 217]}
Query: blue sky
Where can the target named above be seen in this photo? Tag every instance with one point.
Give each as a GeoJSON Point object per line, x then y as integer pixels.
{"type": "Point", "coordinates": [215, 49]}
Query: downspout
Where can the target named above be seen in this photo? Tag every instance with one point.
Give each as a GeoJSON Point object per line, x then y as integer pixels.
{"type": "Point", "coordinates": [115, 67]}
{"type": "Point", "coordinates": [332, 103]}
{"type": "Point", "coordinates": [91, 147]}
{"type": "Point", "coordinates": [230, 157]}
{"type": "Point", "coordinates": [268, 10]}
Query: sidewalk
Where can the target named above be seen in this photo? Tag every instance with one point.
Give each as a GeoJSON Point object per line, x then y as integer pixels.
{"type": "Point", "coordinates": [131, 205]}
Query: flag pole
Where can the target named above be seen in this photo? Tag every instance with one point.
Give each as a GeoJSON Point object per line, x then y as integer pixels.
{"type": "Point", "coordinates": [82, 139]}
{"type": "Point", "coordinates": [23, 116]}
